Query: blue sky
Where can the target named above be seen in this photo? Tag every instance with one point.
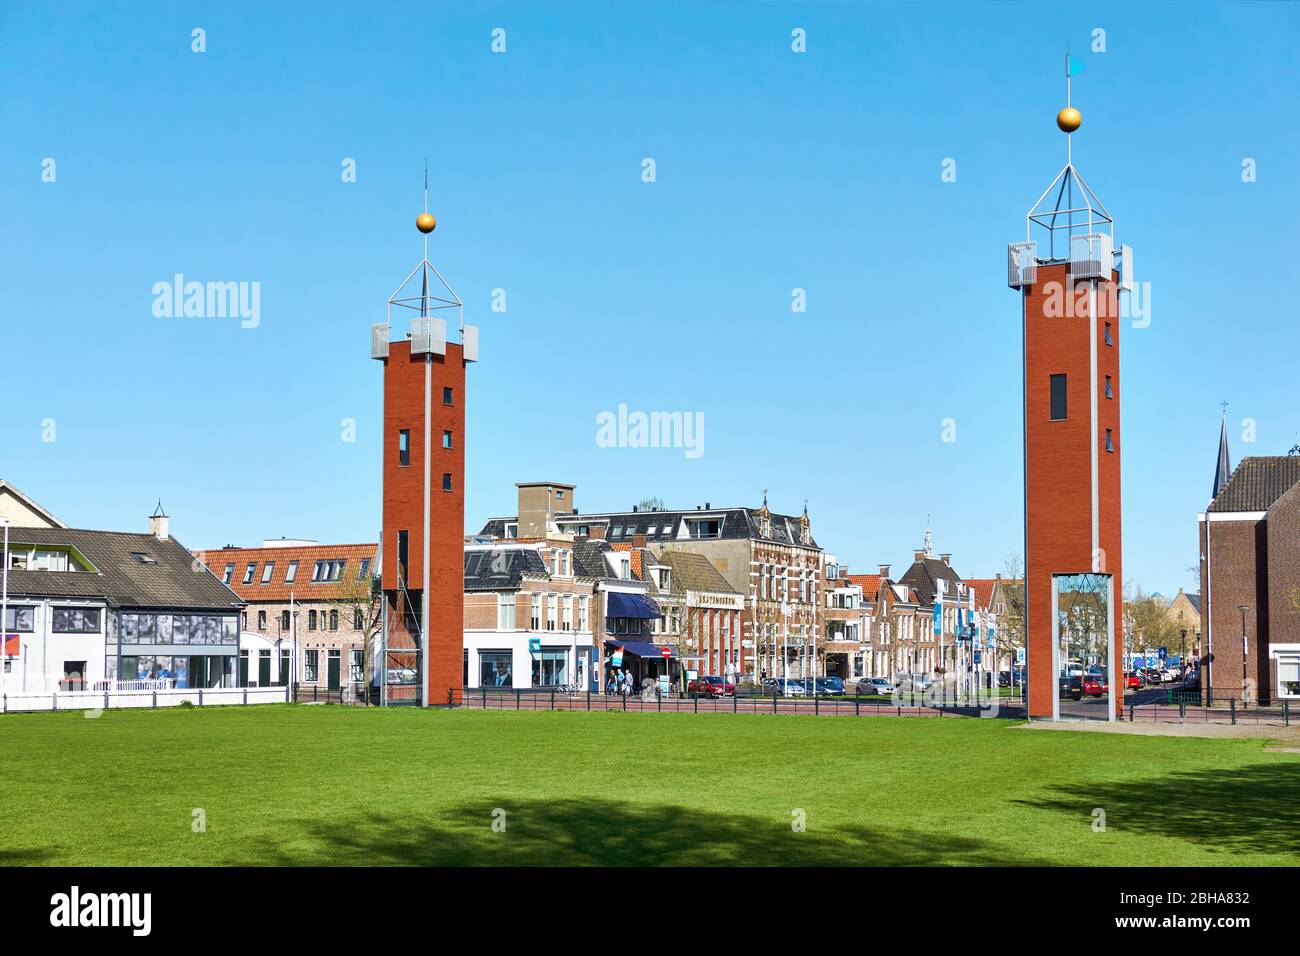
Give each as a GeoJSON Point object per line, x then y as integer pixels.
{"type": "Point", "coordinates": [774, 170]}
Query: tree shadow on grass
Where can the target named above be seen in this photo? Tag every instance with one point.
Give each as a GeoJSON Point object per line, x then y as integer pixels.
{"type": "Point", "coordinates": [580, 833]}
{"type": "Point", "coordinates": [1247, 810]}
{"type": "Point", "coordinates": [28, 856]}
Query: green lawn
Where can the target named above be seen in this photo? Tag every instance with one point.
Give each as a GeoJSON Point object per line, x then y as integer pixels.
{"type": "Point", "coordinates": [285, 784]}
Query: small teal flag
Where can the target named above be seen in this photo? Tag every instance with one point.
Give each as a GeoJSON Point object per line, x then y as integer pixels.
{"type": "Point", "coordinates": [938, 615]}
{"type": "Point", "coordinates": [1072, 66]}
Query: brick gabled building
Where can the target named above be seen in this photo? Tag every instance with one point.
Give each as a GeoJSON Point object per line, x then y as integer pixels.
{"type": "Point", "coordinates": [1250, 580]}
{"type": "Point", "coordinates": [311, 615]}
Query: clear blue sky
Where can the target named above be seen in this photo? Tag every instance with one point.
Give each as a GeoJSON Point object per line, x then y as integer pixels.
{"type": "Point", "coordinates": [774, 171]}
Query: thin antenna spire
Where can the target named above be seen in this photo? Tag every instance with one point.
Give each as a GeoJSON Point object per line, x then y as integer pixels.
{"type": "Point", "coordinates": [1069, 136]}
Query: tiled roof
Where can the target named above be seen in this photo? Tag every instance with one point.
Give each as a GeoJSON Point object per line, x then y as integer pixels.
{"type": "Point", "coordinates": [870, 584]}
{"type": "Point", "coordinates": [695, 572]}
{"type": "Point", "coordinates": [501, 569]}
{"type": "Point", "coordinates": [1257, 483]}
{"type": "Point", "coordinates": [636, 555]}
{"type": "Point", "coordinates": [166, 577]}
{"type": "Point", "coordinates": [983, 588]}
{"type": "Point", "coordinates": [589, 558]}
{"type": "Point", "coordinates": [302, 587]}
{"type": "Point", "coordinates": [923, 574]}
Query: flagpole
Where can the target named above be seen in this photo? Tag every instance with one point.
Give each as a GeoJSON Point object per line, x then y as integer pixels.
{"type": "Point", "coordinates": [4, 612]}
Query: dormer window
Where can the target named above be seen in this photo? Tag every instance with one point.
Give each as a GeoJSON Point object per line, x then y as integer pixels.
{"type": "Point", "coordinates": [704, 527]}
{"type": "Point", "coordinates": [50, 561]}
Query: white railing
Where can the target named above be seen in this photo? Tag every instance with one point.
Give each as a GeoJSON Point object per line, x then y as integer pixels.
{"type": "Point", "coordinates": [113, 699]}
{"type": "Point", "coordinates": [144, 683]}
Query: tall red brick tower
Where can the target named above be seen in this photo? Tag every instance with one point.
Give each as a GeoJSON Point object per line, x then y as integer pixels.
{"type": "Point", "coordinates": [424, 487]}
{"type": "Point", "coordinates": [1073, 545]}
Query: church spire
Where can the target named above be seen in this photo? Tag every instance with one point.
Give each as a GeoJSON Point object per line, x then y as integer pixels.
{"type": "Point", "coordinates": [1223, 470]}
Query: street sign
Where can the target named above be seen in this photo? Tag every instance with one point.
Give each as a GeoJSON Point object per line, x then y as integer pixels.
{"type": "Point", "coordinates": [534, 644]}
{"type": "Point", "coordinates": [665, 652]}
{"type": "Point", "coordinates": [977, 657]}
{"type": "Point", "coordinates": [1163, 653]}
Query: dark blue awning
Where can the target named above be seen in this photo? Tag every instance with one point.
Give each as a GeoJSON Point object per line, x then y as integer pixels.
{"type": "Point", "coordinates": [618, 604]}
{"type": "Point", "coordinates": [641, 648]}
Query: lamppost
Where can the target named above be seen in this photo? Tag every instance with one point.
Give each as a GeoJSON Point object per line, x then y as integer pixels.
{"type": "Point", "coordinates": [1245, 647]}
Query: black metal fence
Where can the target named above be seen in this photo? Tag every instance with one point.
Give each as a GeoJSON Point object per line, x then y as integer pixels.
{"type": "Point", "coordinates": [1188, 708]}
{"type": "Point", "coordinates": [919, 705]}
{"type": "Point", "coordinates": [354, 693]}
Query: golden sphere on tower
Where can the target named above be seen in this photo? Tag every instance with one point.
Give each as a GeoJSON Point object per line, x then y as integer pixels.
{"type": "Point", "coordinates": [1069, 119]}
{"type": "Point", "coordinates": [425, 222]}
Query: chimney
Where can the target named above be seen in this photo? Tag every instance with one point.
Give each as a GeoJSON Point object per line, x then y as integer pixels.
{"type": "Point", "coordinates": [158, 522]}
{"type": "Point", "coordinates": [918, 555]}
{"type": "Point", "coordinates": [884, 570]}
{"type": "Point", "coordinates": [539, 503]}
{"type": "Point", "coordinates": [946, 558]}
{"type": "Point", "coordinates": [638, 541]}
{"type": "Point", "coordinates": [708, 506]}
{"type": "Point", "coordinates": [596, 532]}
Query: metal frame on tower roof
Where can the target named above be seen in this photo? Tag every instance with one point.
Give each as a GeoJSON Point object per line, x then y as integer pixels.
{"type": "Point", "coordinates": [1048, 212]}
{"type": "Point", "coordinates": [426, 302]}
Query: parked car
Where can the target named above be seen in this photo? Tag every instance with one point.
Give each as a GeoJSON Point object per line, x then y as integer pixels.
{"type": "Point", "coordinates": [829, 686]}
{"type": "Point", "coordinates": [710, 687]}
{"type": "Point", "coordinates": [874, 685]}
{"type": "Point", "coordinates": [915, 683]}
{"type": "Point", "coordinates": [1093, 686]}
{"type": "Point", "coordinates": [1071, 686]}
{"type": "Point", "coordinates": [1133, 681]}
{"type": "Point", "coordinates": [786, 687]}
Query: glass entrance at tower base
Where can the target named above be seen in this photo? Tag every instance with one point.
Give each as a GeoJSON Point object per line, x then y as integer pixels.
{"type": "Point", "coordinates": [1083, 659]}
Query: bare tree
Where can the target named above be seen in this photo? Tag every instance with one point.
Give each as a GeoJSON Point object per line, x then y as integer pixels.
{"type": "Point", "coordinates": [358, 600]}
{"type": "Point", "coordinates": [1010, 634]}
{"type": "Point", "coordinates": [1146, 621]}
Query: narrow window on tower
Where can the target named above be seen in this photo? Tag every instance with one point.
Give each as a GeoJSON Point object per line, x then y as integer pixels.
{"type": "Point", "coordinates": [446, 396]}
{"type": "Point", "coordinates": [446, 437]}
{"type": "Point", "coordinates": [1110, 441]}
{"type": "Point", "coordinates": [403, 539]}
{"type": "Point", "coordinates": [404, 447]}
{"type": "Point", "coordinates": [1110, 393]}
{"type": "Point", "coordinates": [1058, 398]}
{"type": "Point", "coordinates": [1108, 339]}
{"type": "Point", "coordinates": [446, 481]}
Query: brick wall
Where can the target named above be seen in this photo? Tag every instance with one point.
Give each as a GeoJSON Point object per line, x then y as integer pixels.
{"type": "Point", "coordinates": [1058, 486]}
{"type": "Point", "coordinates": [404, 397]}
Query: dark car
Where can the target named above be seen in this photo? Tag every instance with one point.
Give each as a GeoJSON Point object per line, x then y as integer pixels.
{"type": "Point", "coordinates": [829, 686]}
{"type": "Point", "coordinates": [1072, 687]}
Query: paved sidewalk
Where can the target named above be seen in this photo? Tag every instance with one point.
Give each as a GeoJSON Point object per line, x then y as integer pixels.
{"type": "Point", "coordinates": [1289, 737]}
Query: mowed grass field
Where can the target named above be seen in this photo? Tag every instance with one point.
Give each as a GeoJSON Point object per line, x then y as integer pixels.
{"type": "Point", "coordinates": [285, 785]}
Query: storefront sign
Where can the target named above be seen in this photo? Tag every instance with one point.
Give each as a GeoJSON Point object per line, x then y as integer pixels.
{"type": "Point", "coordinates": [735, 602]}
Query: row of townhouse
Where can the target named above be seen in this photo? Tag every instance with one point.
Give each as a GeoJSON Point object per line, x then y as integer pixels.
{"type": "Point", "coordinates": [663, 594]}
{"type": "Point", "coordinates": [552, 597]}
{"type": "Point", "coordinates": [880, 626]}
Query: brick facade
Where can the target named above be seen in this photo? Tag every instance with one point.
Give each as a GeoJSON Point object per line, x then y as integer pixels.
{"type": "Point", "coordinates": [403, 518]}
